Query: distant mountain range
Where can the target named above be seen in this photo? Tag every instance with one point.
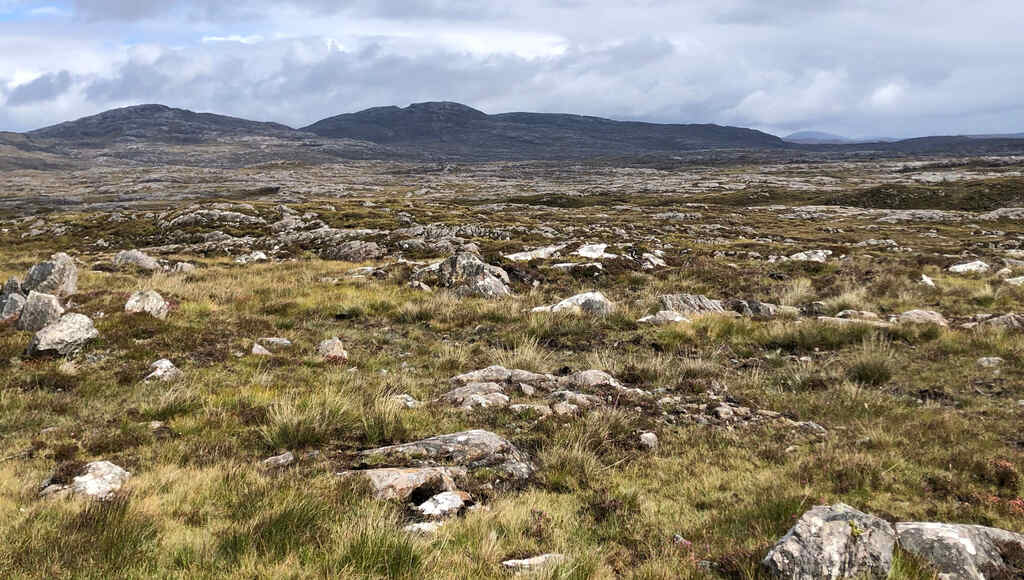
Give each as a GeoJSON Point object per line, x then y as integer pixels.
{"type": "Point", "coordinates": [438, 131]}
{"type": "Point", "coordinates": [821, 138]}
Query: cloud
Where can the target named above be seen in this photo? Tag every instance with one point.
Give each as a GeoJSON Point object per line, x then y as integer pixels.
{"type": "Point", "coordinates": [45, 88]}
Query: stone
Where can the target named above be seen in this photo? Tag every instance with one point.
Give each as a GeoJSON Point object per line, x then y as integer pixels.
{"type": "Point", "coordinates": [691, 304]}
{"type": "Point", "coordinates": [274, 343]}
{"type": "Point", "coordinates": [183, 268]}
{"type": "Point", "coordinates": [149, 302]}
{"type": "Point", "coordinates": [12, 286]}
{"type": "Point", "coordinates": [858, 315]}
{"type": "Point", "coordinates": [100, 480]}
{"type": "Point", "coordinates": [537, 254]}
{"type": "Point", "coordinates": [649, 261]}
{"type": "Point", "coordinates": [820, 256]}
{"type": "Point", "coordinates": [136, 259]}
{"type": "Point", "coordinates": [40, 310]}
{"type": "Point", "coordinates": [279, 461]}
{"type": "Point", "coordinates": [975, 267]}
{"type": "Point", "coordinates": [542, 410]}
{"type": "Point", "coordinates": [663, 317]}
{"type": "Point", "coordinates": [164, 370]}
{"type": "Point", "coordinates": [588, 380]}
{"type": "Point", "coordinates": [402, 483]}
{"type": "Point", "coordinates": [259, 350]}
{"type": "Point", "coordinates": [251, 257]}
{"type": "Point", "coordinates": [442, 505]}
{"type": "Point", "coordinates": [594, 303]}
{"type": "Point", "coordinates": [927, 281]}
{"type": "Point", "coordinates": [535, 563]}
{"type": "Point", "coordinates": [11, 307]}
{"type": "Point", "coordinates": [472, 449]}
{"type": "Point", "coordinates": [1018, 281]}
{"type": "Point", "coordinates": [649, 441]}
{"type": "Point", "coordinates": [564, 409]}
{"type": "Point", "coordinates": [423, 528]}
{"type": "Point", "coordinates": [466, 275]}
{"type": "Point", "coordinates": [833, 542]}
{"type": "Point", "coordinates": [406, 400]}
{"type": "Point", "coordinates": [758, 309]}
{"type": "Point", "coordinates": [922, 317]}
{"type": "Point", "coordinates": [64, 337]}
{"type": "Point", "coordinates": [354, 251]}
{"type": "Point", "coordinates": [990, 361]}
{"type": "Point", "coordinates": [58, 276]}
{"type": "Point", "coordinates": [1010, 321]}
{"type": "Point", "coordinates": [491, 374]}
{"type": "Point", "coordinates": [332, 350]}
{"type": "Point", "coordinates": [575, 399]}
{"type": "Point", "coordinates": [963, 552]}
{"type": "Point", "coordinates": [594, 252]}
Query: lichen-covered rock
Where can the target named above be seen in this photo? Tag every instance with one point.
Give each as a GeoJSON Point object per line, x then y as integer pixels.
{"type": "Point", "coordinates": [922, 317]}
{"type": "Point", "coordinates": [354, 251]}
{"type": "Point", "coordinates": [691, 304]}
{"type": "Point", "coordinates": [962, 552]}
{"type": "Point", "coordinates": [149, 302]}
{"type": "Point", "coordinates": [58, 276]}
{"type": "Point", "coordinates": [67, 335]}
{"type": "Point", "coordinates": [11, 307]}
{"type": "Point", "coordinates": [975, 267]}
{"type": "Point", "coordinates": [476, 395]}
{"type": "Point", "coordinates": [40, 310]}
{"type": "Point", "coordinates": [472, 449]}
{"type": "Point", "coordinates": [1010, 321]}
{"type": "Point", "coordinates": [332, 350]}
{"type": "Point", "coordinates": [833, 542]}
{"type": "Point", "coordinates": [136, 259]}
{"type": "Point", "coordinates": [99, 480]}
{"type": "Point", "coordinates": [594, 303]}
{"type": "Point", "coordinates": [819, 256]}
{"type": "Point", "coordinates": [401, 483]}
{"type": "Point", "coordinates": [467, 275]}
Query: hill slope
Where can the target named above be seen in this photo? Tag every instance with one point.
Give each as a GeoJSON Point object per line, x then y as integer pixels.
{"type": "Point", "coordinates": [452, 129]}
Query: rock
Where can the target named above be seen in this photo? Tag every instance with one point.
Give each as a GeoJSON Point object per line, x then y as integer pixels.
{"type": "Point", "coordinates": [594, 303]}
{"type": "Point", "coordinates": [1010, 321]}
{"type": "Point", "coordinates": [164, 370]}
{"type": "Point", "coordinates": [149, 302]}
{"type": "Point", "coordinates": [402, 483]}
{"type": "Point", "coordinates": [208, 217]}
{"type": "Point", "coordinates": [594, 252]}
{"type": "Point", "coordinates": [758, 309]}
{"type": "Point", "coordinates": [847, 321]}
{"type": "Point", "coordinates": [11, 308]}
{"type": "Point", "coordinates": [442, 505]}
{"type": "Point", "coordinates": [575, 400]}
{"type": "Point", "coordinates": [274, 343]}
{"type": "Point", "coordinates": [927, 281]}
{"type": "Point", "coordinates": [58, 276]}
{"type": "Point", "coordinates": [39, 311]}
{"type": "Point", "coordinates": [663, 317]}
{"type": "Point", "coordinates": [332, 350]}
{"type": "Point", "coordinates": [691, 304]}
{"type": "Point", "coordinates": [491, 374]}
{"type": "Point", "coordinates": [537, 254]}
{"type": "Point", "coordinates": [66, 336]}
{"type": "Point", "coordinates": [406, 400]}
{"type": "Point", "coordinates": [1019, 281]}
{"type": "Point", "coordinates": [136, 259]}
{"type": "Point", "coordinates": [11, 287]}
{"type": "Point", "coordinates": [183, 268]}
{"type": "Point", "coordinates": [588, 380]}
{"type": "Point", "coordinates": [542, 410]}
{"type": "Point", "coordinates": [256, 256]}
{"type": "Point", "coordinates": [962, 551]}
{"type": "Point", "coordinates": [476, 395]}
{"type": "Point", "coordinates": [976, 267]}
{"type": "Point", "coordinates": [467, 275]}
{"type": "Point", "coordinates": [820, 256]}
{"type": "Point", "coordinates": [858, 315]}
{"type": "Point", "coordinates": [354, 251]}
{"type": "Point", "coordinates": [535, 563]}
{"type": "Point", "coordinates": [922, 317]}
{"type": "Point", "coordinates": [564, 409]}
{"type": "Point", "coordinates": [649, 441]}
{"type": "Point", "coordinates": [473, 449]}
{"type": "Point", "coordinates": [417, 285]}
{"type": "Point", "coordinates": [259, 350]}
{"type": "Point", "coordinates": [279, 461]}
{"type": "Point", "coordinates": [100, 480]}
{"type": "Point", "coordinates": [649, 261]}
{"type": "Point", "coordinates": [990, 361]}
{"type": "Point", "coordinates": [832, 542]}
{"type": "Point", "coordinates": [423, 528]}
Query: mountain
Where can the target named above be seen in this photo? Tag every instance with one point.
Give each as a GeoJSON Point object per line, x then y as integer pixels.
{"type": "Point", "coordinates": [455, 130]}
{"type": "Point", "coordinates": [158, 123]}
{"type": "Point", "coordinates": [816, 137]}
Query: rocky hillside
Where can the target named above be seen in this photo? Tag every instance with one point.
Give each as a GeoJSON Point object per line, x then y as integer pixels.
{"type": "Point", "coordinates": [452, 129]}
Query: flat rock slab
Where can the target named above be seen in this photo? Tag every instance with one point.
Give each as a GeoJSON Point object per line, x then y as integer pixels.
{"type": "Point", "coordinates": [471, 449]}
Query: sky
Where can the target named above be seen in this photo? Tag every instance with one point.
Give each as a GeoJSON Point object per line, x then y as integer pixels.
{"type": "Point", "coordinates": [859, 68]}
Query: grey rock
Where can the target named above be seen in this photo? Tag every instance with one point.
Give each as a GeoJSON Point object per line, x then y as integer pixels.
{"type": "Point", "coordinates": [593, 303]}
{"type": "Point", "coordinates": [401, 483]}
{"type": "Point", "coordinates": [332, 350]}
{"type": "Point", "coordinates": [472, 449]}
{"type": "Point", "coordinates": [58, 276]}
{"type": "Point", "coordinates": [279, 461]}
{"type": "Point", "coordinates": [963, 552]}
{"type": "Point", "coordinates": [475, 394]}
{"type": "Point", "coordinates": [1010, 321]}
{"type": "Point", "coordinates": [663, 317]}
{"type": "Point", "coordinates": [354, 251]}
{"type": "Point", "coordinates": [136, 259]}
{"type": "Point", "coordinates": [833, 542]}
{"type": "Point", "coordinates": [467, 275]}
{"type": "Point", "coordinates": [535, 563]}
{"type": "Point", "coordinates": [148, 302]}
{"type": "Point", "coordinates": [922, 317]}
{"type": "Point", "coordinates": [691, 304]}
{"type": "Point", "coordinates": [66, 336]}
{"type": "Point", "coordinates": [40, 310]}
{"type": "Point", "coordinates": [164, 370]}
{"type": "Point", "coordinates": [649, 440]}
{"type": "Point", "coordinates": [10, 308]}
{"type": "Point", "coordinates": [442, 505]}
{"type": "Point", "coordinates": [100, 480]}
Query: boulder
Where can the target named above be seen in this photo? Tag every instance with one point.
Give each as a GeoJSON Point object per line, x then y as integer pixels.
{"type": "Point", "coordinates": [820, 256]}
{"type": "Point", "coordinates": [757, 309]}
{"type": "Point", "coordinates": [40, 310]}
{"type": "Point", "coordinates": [275, 343]}
{"type": "Point", "coordinates": [663, 317]}
{"type": "Point", "coordinates": [279, 461]}
{"type": "Point", "coordinates": [443, 505]}
{"type": "Point", "coordinates": [833, 542]}
{"type": "Point", "coordinates": [535, 563]}
{"type": "Point", "coordinates": [1010, 321]}
{"type": "Point", "coordinates": [402, 483]}
{"type": "Point", "coordinates": [594, 303]}
{"type": "Point", "coordinates": [975, 267]}
{"type": "Point", "coordinates": [476, 395]}
{"type": "Point", "coordinates": [183, 268]}
{"type": "Point", "coordinates": [594, 252]}
{"type": "Point", "coordinates": [922, 317]}
{"type": "Point", "coordinates": [537, 254]}
{"type": "Point", "coordinates": [12, 286]}
{"type": "Point", "coordinates": [472, 449]}
{"type": "Point", "coordinates": [164, 370]}
{"type": "Point", "coordinates": [149, 302]}
{"type": "Point", "coordinates": [99, 480]}
{"type": "Point", "coordinates": [963, 552]}
{"type": "Point", "coordinates": [649, 441]}
{"type": "Point", "coordinates": [588, 380]}
{"type": "Point", "coordinates": [691, 304]}
{"type": "Point", "coordinates": [354, 251]}
{"type": "Point", "coordinates": [467, 275]}
{"type": "Point", "coordinates": [136, 259]}
{"type": "Point", "coordinates": [574, 399]}
{"type": "Point", "coordinates": [11, 307]}
{"type": "Point", "coordinates": [251, 257]}
{"type": "Point", "coordinates": [64, 337]}
{"type": "Point", "coordinates": [58, 276]}
{"type": "Point", "coordinates": [332, 350]}
{"type": "Point", "coordinates": [259, 350]}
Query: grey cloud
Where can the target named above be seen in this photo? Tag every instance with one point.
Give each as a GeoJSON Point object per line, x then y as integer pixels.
{"type": "Point", "coordinates": [45, 88]}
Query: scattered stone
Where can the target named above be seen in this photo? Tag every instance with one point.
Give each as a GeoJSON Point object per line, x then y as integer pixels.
{"type": "Point", "coordinates": [691, 304]}
{"type": "Point", "coordinates": [136, 259]}
{"type": "Point", "coordinates": [64, 337]}
{"type": "Point", "coordinates": [274, 343]}
{"type": "Point", "coordinates": [256, 256]}
{"type": "Point", "coordinates": [444, 504]}
{"type": "Point", "coordinates": [406, 400]}
{"type": "Point", "coordinates": [976, 267]}
{"type": "Point", "coordinates": [39, 311]}
{"type": "Point", "coordinates": [542, 410]}
{"type": "Point", "coordinates": [401, 483]}
{"type": "Point", "coordinates": [165, 371]}
{"type": "Point", "coordinates": [649, 441]}
{"type": "Point", "coordinates": [423, 528]}
{"type": "Point", "coordinates": [594, 303]}
{"type": "Point", "coordinates": [990, 361]}
{"type": "Point", "coordinates": [183, 268]}
{"type": "Point", "coordinates": [962, 551]}
{"type": "Point", "coordinates": [354, 251]}
{"type": "Point", "coordinates": [259, 350]}
{"type": "Point", "coordinates": [332, 350]}
{"type": "Point", "coordinates": [833, 542]}
{"type": "Point", "coordinates": [649, 261]}
{"type": "Point", "coordinates": [99, 480]}
{"type": "Point", "coordinates": [1010, 321]}
{"type": "Point", "coordinates": [922, 317]}
{"type": "Point", "coordinates": [858, 315]}
{"type": "Point", "coordinates": [564, 409]}
{"type": "Point", "coordinates": [279, 461]}
{"type": "Point", "coordinates": [58, 276]}
{"type": "Point", "coordinates": [576, 400]}
{"type": "Point", "coordinates": [594, 252]}
{"type": "Point", "coordinates": [473, 449]}
{"type": "Point", "coordinates": [927, 281]}
{"type": "Point", "coordinates": [537, 254]}
{"type": "Point", "coordinates": [148, 301]}
{"type": "Point", "coordinates": [535, 563]}
{"type": "Point", "coordinates": [820, 256]}
{"type": "Point", "coordinates": [476, 395]}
